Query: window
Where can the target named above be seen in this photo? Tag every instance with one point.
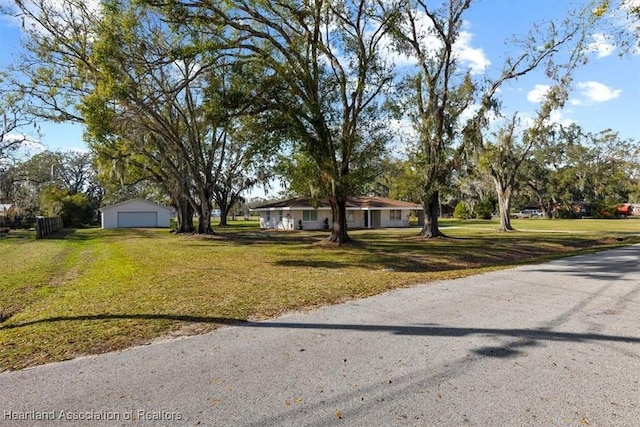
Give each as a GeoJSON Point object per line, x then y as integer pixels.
{"type": "Point", "coordinates": [309, 216]}
{"type": "Point", "coordinates": [395, 215]}
{"type": "Point", "coordinates": [351, 216]}
{"type": "Point", "coordinates": [268, 216]}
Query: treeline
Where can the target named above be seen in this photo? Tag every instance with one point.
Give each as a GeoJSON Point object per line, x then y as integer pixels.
{"type": "Point", "coordinates": [206, 99]}
{"type": "Point", "coordinates": [52, 184]}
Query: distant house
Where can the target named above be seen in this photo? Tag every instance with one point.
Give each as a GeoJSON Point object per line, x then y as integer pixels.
{"type": "Point", "coordinates": [8, 214]}
{"type": "Point", "coordinates": [4, 217]}
{"type": "Point", "coordinates": [5, 209]}
{"type": "Point", "coordinates": [136, 213]}
{"type": "Point", "coordinates": [362, 212]}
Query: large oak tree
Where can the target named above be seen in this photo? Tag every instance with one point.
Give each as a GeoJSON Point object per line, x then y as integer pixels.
{"type": "Point", "coordinates": [440, 89]}
{"type": "Point", "coordinates": [326, 56]}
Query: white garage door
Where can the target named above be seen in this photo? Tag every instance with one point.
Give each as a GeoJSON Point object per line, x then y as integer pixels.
{"type": "Point", "coordinates": [137, 219]}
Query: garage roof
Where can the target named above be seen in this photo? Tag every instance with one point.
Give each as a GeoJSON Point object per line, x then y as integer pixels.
{"type": "Point", "coordinates": [122, 204]}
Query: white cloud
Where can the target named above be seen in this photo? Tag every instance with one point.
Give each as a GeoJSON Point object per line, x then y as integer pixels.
{"type": "Point", "coordinates": [469, 113]}
{"type": "Point", "coordinates": [630, 6]}
{"type": "Point", "coordinates": [33, 146]}
{"type": "Point", "coordinates": [528, 120]}
{"type": "Point", "coordinates": [538, 93]}
{"type": "Point", "coordinates": [392, 56]}
{"type": "Point", "coordinates": [464, 51]}
{"type": "Point", "coordinates": [601, 45]}
{"type": "Point", "coordinates": [28, 145]}
{"type": "Point", "coordinates": [621, 23]}
{"type": "Point", "coordinates": [595, 92]}
{"type": "Point", "coordinates": [62, 11]}
{"type": "Point", "coordinates": [404, 135]}
{"type": "Point", "coordinates": [474, 57]}
{"type": "Point", "coordinates": [78, 150]}
{"type": "Point", "coordinates": [423, 30]}
{"type": "Point", "coordinates": [558, 117]}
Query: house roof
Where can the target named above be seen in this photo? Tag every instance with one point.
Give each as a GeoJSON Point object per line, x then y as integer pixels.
{"type": "Point", "coordinates": [5, 206]}
{"type": "Point", "coordinates": [353, 203]}
{"type": "Point", "coordinates": [135, 200]}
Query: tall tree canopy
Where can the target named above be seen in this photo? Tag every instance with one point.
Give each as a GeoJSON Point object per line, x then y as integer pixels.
{"type": "Point", "coordinates": [327, 60]}
{"type": "Point", "coordinates": [437, 92]}
{"type": "Point", "coordinates": [441, 89]}
{"type": "Point", "coordinates": [154, 97]}
{"type": "Point", "coordinates": [185, 94]}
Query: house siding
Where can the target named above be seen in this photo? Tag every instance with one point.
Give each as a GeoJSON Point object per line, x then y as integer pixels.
{"type": "Point", "coordinates": [362, 212]}
{"type": "Point", "coordinates": [290, 219]}
{"type": "Point", "coordinates": [387, 222]}
{"type": "Point", "coordinates": [378, 218]}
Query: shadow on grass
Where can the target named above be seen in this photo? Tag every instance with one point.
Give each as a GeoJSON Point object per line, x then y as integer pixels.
{"type": "Point", "coordinates": [261, 237]}
{"type": "Point", "coordinates": [411, 254]}
{"type": "Point", "coordinates": [404, 251]}
{"type": "Point", "coordinates": [175, 317]}
{"type": "Point", "coordinates": [71, 234]}
{"type": "Point", "coordinates": [95, 233]}
{"type": "Point", "coordinates": [525, 337]}
{"type": "Point", "coordinates": [18, 235]}
{"type": "Point", "coordinates": [296, 263]}
{"type": "Point", "coordinates": [386, 262]}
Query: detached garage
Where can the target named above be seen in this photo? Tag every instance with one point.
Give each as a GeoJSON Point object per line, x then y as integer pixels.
{"type": "Point", "coordinates": [137, 213]}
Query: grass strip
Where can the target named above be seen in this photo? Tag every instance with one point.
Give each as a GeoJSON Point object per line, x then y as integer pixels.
{"type": "Point", "coordinates": [91, 291]}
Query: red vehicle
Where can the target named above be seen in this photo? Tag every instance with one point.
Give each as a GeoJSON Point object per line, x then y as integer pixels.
{"type": "Point", "coordinates": [625, 209]}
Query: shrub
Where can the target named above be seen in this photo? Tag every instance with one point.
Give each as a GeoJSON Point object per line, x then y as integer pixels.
{"type": "Point", "coordinates": [76, 210]}
{"type": "Point", "coordinates": [606, 212]}
{"type": "Point", "coordinates": [461, 211]}
{"type": "Point", "coordinates": [484, 209]}
{"type": "Point", "coordinates": [566, 214]}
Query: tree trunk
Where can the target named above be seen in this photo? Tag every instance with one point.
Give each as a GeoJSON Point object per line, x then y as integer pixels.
{"type": "Point", "coordinates": [224, 212]}
{"type": "Point", "coordinates": [226, 204]}
{"type": "Point", "coordinates": [204, 216]}
{"type": "Point", "coordinates": [225, 201]}
{"type": "Point", "coordinates": [204, 221]}
{"type": "Point", "coordinates": [504, 205]}
{"type": "Point", "coordinates": [339, 220]}
{"type": "Point", "coordinates": [431, 205]}
{"type": "Point", "coordinates": [548, 209]}
{"type": "Point", "coordinates": [184, 216]}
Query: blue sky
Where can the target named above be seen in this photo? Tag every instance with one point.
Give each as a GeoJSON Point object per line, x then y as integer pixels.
{"type": "Point", "coordinates": [606, 90]}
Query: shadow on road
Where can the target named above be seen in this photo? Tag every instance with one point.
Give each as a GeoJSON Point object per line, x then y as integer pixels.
{"type": "Point", "coordinates": [525, 337]}
{"type": "Point", "coordinates": [609, 265]}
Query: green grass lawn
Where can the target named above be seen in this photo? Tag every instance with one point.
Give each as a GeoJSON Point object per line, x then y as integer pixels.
{"type": "Point", "coordinates": [91, 291]}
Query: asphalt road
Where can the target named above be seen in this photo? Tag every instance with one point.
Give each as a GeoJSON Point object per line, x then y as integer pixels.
{"type": "Point", "coordinates": [550, 344]}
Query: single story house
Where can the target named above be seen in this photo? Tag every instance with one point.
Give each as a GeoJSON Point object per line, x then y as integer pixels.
{"type": "Point", "coordinates": [136, 213]}
{"type": "Point", "coordinates": [9, 213]}
{"type": "Point", "coordinates": [5, 209]}
{"type": "Point", "coordinates": [362, 212]}
{"type": "Point", "coordinates": [8, 210]}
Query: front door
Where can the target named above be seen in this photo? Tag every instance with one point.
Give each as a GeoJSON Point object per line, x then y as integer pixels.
{"type": "Point", "coordinates": [376, 219]}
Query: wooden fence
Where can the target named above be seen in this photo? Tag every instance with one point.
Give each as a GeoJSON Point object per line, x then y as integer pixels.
{"type": "Point", "coordinates": [46, 226]}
